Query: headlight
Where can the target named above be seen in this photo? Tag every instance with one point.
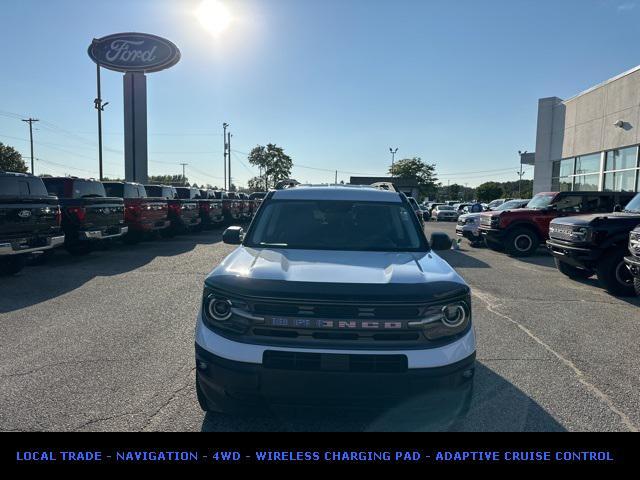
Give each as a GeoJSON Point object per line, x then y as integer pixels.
{"type": "Point", "coordinates": [448, 320]}
{"type": "Point", "coordinates": [581, 234]}
{"type": "Point", "coordinates": [219, 308]}
{"type": "Point", "coordinates": [221, 313]}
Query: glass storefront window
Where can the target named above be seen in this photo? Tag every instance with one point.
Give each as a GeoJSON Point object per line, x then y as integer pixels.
{"type": "Point", "coordinates": [561, 184]}
{"type": "Point", "coordinates": [621, 159]}
{"type": "Point", "coordinates": [620, 181]}
{"type": "Point", "coordinates": [588, 164]}
{"type": "Point", "coordinates": [586, 183]}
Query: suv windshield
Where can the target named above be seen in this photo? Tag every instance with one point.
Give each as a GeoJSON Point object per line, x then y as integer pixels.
{"type": "Point", "coordinates": [337, 225]}
{"type": "Point", "coordinates": [634, 205]}
{"type": "Point", "coordinates": [540, 201]}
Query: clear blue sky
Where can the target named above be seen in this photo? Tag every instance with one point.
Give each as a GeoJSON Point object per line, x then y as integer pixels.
{"type": "Point", "coordinates": [334, 82]}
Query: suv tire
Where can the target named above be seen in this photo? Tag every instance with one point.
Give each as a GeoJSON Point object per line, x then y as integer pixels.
{"type": "Point", "coordinates": [571, 271]}
{"type": "Point", "coordinates": [636, 284]}
{"type": "Point", "coordinates": [614, 275]}
{"type": "Point", "coordinates": [521, 242]}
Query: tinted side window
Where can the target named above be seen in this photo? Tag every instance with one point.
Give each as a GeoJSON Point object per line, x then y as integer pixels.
{"type": "Point", "coordinates": [570, 203]}
{"type": "Point", "coordinates": [598, 204]}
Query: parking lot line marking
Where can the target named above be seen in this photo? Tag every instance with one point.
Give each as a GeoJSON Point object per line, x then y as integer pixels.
{"type": "Point", "coordinates": [492, 306]}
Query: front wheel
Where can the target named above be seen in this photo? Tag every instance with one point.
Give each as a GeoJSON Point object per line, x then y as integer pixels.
{"type": "Point", "coordinates": [571, 271]}
{"type": "Point", "coordinates": [521, 242]}
{"type": "Point", "coordinates": [614, 275]}
{"type": "Point", "coordinates": [636, 284]}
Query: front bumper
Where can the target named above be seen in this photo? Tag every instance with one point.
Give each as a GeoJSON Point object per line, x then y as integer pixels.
{"type": "Point", "coordinates": [633, 264]}
{"type": "Point", "coordinates": [100, 234]}
{"type": "Point", "coordinates": [14, 249]}
{"type": "Point", "coordinates": [580, 257]}
{"type": "Point", "coordinates": [231, 385]}
{"type": "Point", "coordinates": [470, 232]}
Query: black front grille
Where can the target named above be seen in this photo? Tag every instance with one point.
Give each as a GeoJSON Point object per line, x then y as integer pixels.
{"type": "Point", "coordinates": [337, 311]}
{"type": "Point", "coordinates": [318, 362]}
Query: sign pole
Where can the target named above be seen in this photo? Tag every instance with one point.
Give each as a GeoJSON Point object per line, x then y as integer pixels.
{"type": "Point", "coordinates": [99, 107]}
{"type": "Point", "coordinates": [135, 127]}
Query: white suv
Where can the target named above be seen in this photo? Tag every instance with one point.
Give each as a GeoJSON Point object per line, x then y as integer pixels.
{"type": "Point", "coordinates": [334, 297]}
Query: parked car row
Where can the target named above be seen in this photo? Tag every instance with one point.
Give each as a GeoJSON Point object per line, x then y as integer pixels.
{"type": "Point", "coordinates": [588, 233]}
{"type": "Point", "coordinates": [39, 214]}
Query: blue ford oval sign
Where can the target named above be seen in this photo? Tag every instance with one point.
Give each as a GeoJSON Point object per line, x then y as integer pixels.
{"type": "Point", "coordinates": [134, 52]}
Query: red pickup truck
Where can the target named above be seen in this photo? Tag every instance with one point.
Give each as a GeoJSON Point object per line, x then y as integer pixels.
{"type": "Point", "coordinates": [520, 232]}
{"type": "Point", "coordinates": [184, 214]}
{"type": "Point", "coordinates": [247, 206]}
{"type": "Point", "coordinates": [210, 208]}
{"type": "Point", "coordinates": [143, 215]}
{"type": "Point", "coordinates": [231, 207]}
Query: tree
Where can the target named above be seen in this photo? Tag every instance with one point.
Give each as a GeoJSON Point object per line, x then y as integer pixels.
{"type": "Point", "coordinates": [415, 168]}
{"type": "Point", "coordinates": [11, 160]}
{"type": "Point", "coordinates": [274, 163]}
{"type": "Point", "coordinates": [489, 191]}
{"type": "Point", "coordinates": [175, 180]}
{"type": "Point", "coordinates": [256, 184]}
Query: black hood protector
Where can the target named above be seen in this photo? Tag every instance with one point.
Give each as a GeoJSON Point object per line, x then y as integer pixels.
{"type": "Point", "coordinates": [279, 290]}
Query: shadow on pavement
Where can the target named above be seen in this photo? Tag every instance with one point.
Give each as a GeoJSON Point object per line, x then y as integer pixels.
{"type": "Point", "coordinates": [64, 273]}
{"type": "Point", "coordinates": [460, 259]}
{"type": "Point", "coordinates": [497, 405]}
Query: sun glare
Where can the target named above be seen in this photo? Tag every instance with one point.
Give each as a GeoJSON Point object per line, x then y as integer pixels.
{"type": "Point", "coordinates": [214, 16]}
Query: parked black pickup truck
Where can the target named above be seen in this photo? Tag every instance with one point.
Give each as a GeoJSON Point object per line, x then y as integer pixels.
{"type": "Point", "coordinates": [88, 215]}
{"type": "Point", "coordinates": [633, 260]}
{"type": "Point", "coordinates": [596, 243]}
{"type": "Point", "coordinates": [29, 220]}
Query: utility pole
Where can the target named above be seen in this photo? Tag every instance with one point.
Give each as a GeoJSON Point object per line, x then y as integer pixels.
{"type": "Point", "coordinates": [520, 174]}
{"type": "Point", "coordinates": [184, 178]}
{"type": "Point", "coordinates": [229, 149]}
{"type": "Point", "coordinates": [393, 155]}
{"type": "Point", "coordinates": [224, 138]}
{"type": "Point", "coordinates": [99, 106]}
{"type": "Point", "coordinates": [30, 121]}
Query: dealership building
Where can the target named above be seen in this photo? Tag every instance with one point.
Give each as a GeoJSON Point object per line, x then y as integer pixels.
{"type": "Point", "coordinates": [590, 142]}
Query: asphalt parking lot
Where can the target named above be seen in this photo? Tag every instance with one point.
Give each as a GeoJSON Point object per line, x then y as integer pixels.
{"type": "Point", "coordinates": [105, 342]}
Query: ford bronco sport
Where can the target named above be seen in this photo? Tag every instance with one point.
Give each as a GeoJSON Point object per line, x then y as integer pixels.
{"type": "Point", "coordinates": [596, 243]}
{"type": "Point", "coordinates": [334, 297]}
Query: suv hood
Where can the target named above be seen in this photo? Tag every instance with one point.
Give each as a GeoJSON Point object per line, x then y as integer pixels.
{"type": "Point", "coordinates": [342, 275]}
{"type": "Point", "coordinates": [590, 218]}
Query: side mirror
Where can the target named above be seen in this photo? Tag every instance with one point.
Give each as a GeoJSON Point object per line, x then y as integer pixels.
{"type": "Point", "coordinates": [233, 235]}
{"type": "Point", "coordinates": [617, 208]}
{"type": "Point", "coordinates": [440, 241]}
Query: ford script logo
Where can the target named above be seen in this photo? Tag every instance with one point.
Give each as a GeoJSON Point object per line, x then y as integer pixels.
{"type": "Point", "coordinates": [134, 52]}
{"type": "Point", "coordinates": [24, 213]}
{"type": "Point", "coordinates": [106, 211]}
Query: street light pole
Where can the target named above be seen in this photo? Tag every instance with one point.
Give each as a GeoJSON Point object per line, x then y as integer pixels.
{"type": "Point", "coordinates": [393, 155]}
{"type": "Point", "coordinates": [520, 174]}
{"type": "Point", "coordinates": [99, 106]}
{"type": "Point", "coordinates": [224, 155]}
